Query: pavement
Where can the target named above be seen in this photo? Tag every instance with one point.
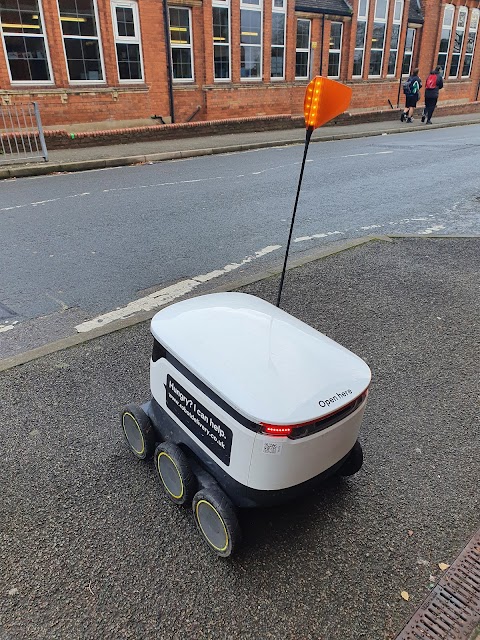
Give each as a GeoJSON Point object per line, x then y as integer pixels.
{"type": "Point", "coordinates": [90, 548]}
{"type": "Point", "coordinates": [81, 159]}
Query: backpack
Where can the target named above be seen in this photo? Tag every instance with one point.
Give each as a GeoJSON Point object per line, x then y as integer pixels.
{"type": "Point", "coordinates": [408, 87]}
{"type": "Point", "coordinates": [431, 81]}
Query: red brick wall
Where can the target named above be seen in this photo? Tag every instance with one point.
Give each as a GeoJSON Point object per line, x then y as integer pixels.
{"type": "Point", "coordinates": [205, 100]}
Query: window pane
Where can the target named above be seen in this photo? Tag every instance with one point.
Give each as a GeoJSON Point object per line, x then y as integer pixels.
{"type": "Point", "coordinates": [303, 34]}
{"type": "Point", "coordinates": [27, 58]}
{"type": "Point", "coordinates": [334, 64]}
{"type": "Point", "coordinates": [278, 28]}
{"type": "Point", "coordinates": [179, 26]}
{"type": "Point", "coordinates": [336, 35]}
{"type": "Point", "coordinates": [409, 39]}
{"type": "Point", "coordinates": [454, 64]}
{"type": "Point", "coordinates": [406, 63]}
{"type": "Point", "coordinates": [395, 36]}
{"type": "Point", "coordinates": [301, 64]}
{"type": "Point", "coordinates": [125, 22]}
{"type": "Point", "coordinates": [448, 16]}
{"type": "Point", "coordinates": [381, 9]}
{"type": "Point", "coordinates": [220, 24]}
{"type": "Point", "coordinates": [397, 13]}
{"type": "Point", "coordinates": [277, 62]}
{"type": "Point", "coordinates": [360, 35]}
{"type": "Point", "coordinates": [21, 17]}
{"type": "Point", "coordinates": [83, 59]}
{"type": "Point", "coordinates": [251, 22]}
{"type": "Point", "coordinates": [375, 63]}
{"type": "Point", "coordinates": [128, 56]}
{"type": "Point", "coordinates": [466, 65]}
{"type": "Point", "coordinates": [182, 64]}
{"type": "Point", "coordinates": [357, 62]}
{"type": "Point", "coordinates": [221, 61]}
{"type": "Point", "coordinates": [378, 35]}
{"type": "Point", "coordinates": [250, 62]}
{"type": "Point", "coordinates": [441, 60]}
{"type": "Point", "coordinates": [362, 8]}
{"type": "Point", "coordinates": [392, 63]}
{"type": "Point", "coordinates": [77, 17]}
{"type": "Point", "coordinates": [457, 44]}
{"type": "Point", "coordinates": [444, 40]}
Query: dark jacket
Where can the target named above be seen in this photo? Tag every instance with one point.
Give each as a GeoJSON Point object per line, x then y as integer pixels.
{"type": "Point", "coordinates": [433, 93]}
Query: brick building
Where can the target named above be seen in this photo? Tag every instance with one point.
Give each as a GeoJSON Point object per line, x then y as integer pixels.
{"type": "Point", "coordinates": [99, 60]}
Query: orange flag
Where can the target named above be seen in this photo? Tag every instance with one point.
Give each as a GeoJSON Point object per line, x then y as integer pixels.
{"type": "Point", "coordinates": [325, 99]}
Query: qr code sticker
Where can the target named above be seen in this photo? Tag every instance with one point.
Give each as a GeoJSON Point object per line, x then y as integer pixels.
{"type": "Point", "coordinates": [272, 447]}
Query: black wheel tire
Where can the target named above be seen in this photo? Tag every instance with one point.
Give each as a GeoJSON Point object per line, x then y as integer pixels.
{"type": "Point", "coordinates": [354, 461]}
{"type": "Point", "coordinates": [138, 432]}
{"type": "Point", "coordinates": [175, 473]}
{"type": "Point", "coordinates": [217, 521]}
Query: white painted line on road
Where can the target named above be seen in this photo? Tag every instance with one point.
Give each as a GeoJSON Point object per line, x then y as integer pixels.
{"type": "Point", "coordinates": [7, 327]}
{"type": "Point", "coordinates": [319, 235]}
{"type": "Point", "coordinates": [379, 153]}
{"type": "Point", "coordinates": [433, 229]}
{"type": "Point", "coordinates": [371, 226]}
{"type": "Point", "coordinates": [168, 294]}
{"type": "Point", "coordinates": [355, 155]}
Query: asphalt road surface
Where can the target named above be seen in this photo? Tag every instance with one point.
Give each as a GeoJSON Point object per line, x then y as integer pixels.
{"type": "Point", "coordinates": [76, 247]}
{"type": "Point", "coordinates": [90, 547]}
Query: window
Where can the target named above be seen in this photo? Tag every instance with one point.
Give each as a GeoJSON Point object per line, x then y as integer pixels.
{"type": "Point", "coordinates": [278, 39]}
{"type": "Point", "coordinates": [446, 35]}
{"type": "Point", "coordinates": [302, 54]}
{"type": "Point", "coordinates": [221, 40]}
{"type": "Point", "coordinates": [472, 37]}
{"type": "Point", "coordinates": [395, 37]}
{"type": "Point", "coordinates": [250, 39]}
{"type": "Point", "coordinates": [407, 56]}
{"type": "Point", "coordinates": [21, 24]}
{"type": "Point", "coordinates": [359, 53]}
{"type": "Point", "coordinates": [334, 54]}
{"type": "Point", "coordinates": [378, 38]}
{"type": "Point", "coordinates": [181, 44]}
{"type": "Point", "coordinates": [127, 40]}
{"type": "Point", "coordinates": [458, 42]}
{"type": "Point", "coordinates": [81, 41]}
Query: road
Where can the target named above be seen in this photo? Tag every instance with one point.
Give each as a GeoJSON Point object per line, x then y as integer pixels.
{"type": "Point", "coordinates": [76, 247]}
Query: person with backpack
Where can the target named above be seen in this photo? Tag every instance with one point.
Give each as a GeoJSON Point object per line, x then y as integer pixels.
{"type": "Point", "coordinates": [411, 89]}
{"type": "Point", "coordinates": [432, 87]}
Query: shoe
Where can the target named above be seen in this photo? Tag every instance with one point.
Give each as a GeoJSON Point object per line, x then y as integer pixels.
{"type": "Point", "coordinates": [409, 119]}
{"type": "Point", "coordinates": [429, 122]}
{"type": "Point", "coordinates": [423, 117]}
{"type": "Point", "coordinates": [402, 117]}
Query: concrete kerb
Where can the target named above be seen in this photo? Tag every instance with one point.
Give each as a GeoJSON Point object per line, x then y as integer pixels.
{"type": "Point", "coordinates": [137, 318]}
{"type": "Point", "coordinates": [86, 165]}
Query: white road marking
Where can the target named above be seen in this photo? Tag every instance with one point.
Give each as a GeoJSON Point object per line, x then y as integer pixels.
{"type": "Point", "coordinates": [168, 294]}
{"type": "Point", "coordinates": [7, 327]}
{"type": "Point", "coordinates": [319, 235]}
{"type": "Point", "coordinates": [435, 227]}
{"type": "Point", "coordinates": [379, 153]}
{"type": "Point", "coordinates": [355, 155]}
{"type": "Point", "coordinates": [371, 226]}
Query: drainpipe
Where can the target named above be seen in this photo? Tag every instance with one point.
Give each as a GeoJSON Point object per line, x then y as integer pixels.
{"type": "Point", "coordinates": [168, 53]}
{"type": "Point", "coordinates": [321, 43]}
{"type": "Point", "coordinates": [401, 67]}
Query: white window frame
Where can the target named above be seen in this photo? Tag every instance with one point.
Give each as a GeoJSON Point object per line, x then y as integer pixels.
{"type": "Point", "coordinates": [47, 52]}
{"type": "Point", "coordinates": [252, 5]}
{"type": "Point", "coordinates": [301, 50]}
{"type": "Point", "coordinates": [409, 52]}
{"type": "Point", "coordinates": [377, 20]}
{"type": "Point", "coordinates": [224, 4]}
{"type": "Point", "coordinates": [283, 11]}
{"type": "Point", "coordinates": [98, 37]}
{"type": "Point", "coordinates": [459, 30]}
{"type": "Point", "coordinates": [339, 51]}
{"type": "Point", "coordinates": [182, 46]}
{"type": "Point", "coordinates": [474, 18]}
{"type": "Point", "coordinates": [361, 17]}
{"type": "Point", "coordinates": [137, 39]}
{"type": "Point", "coordinates": [445, 27]}
{"type": "Point", "coordinates": [397, 20]}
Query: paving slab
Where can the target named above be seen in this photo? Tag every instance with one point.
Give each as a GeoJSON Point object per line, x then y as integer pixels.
{"type": "Point", "coordinates": [90, 548]}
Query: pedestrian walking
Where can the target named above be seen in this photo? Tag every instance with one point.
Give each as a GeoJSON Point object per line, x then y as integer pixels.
{"type": "Point", "coordinates": [411, 89]}
{"type": "Point", "coordinates": [432, 87]}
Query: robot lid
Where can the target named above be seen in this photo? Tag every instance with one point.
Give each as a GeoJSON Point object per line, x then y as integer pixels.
{"type": "Point", "coordinates": [269, 366]}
